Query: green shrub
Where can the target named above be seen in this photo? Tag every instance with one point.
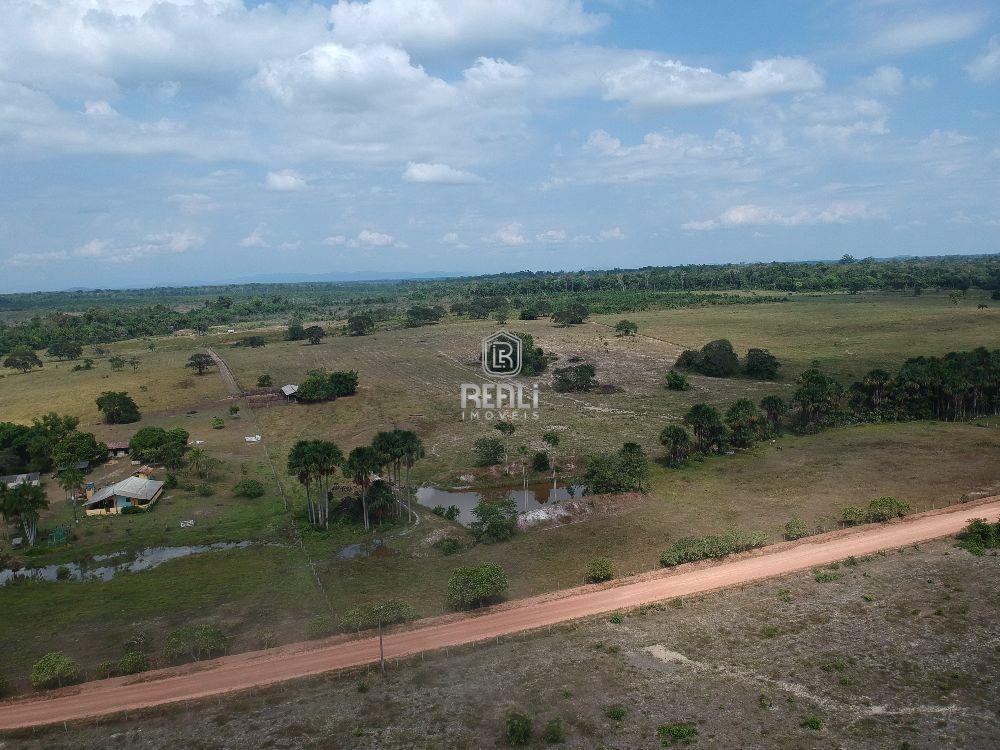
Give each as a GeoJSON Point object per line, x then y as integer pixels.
{"type": "Point", "coordinates": [554, 732]}
{"type": "Point", "coordinates": [107, 669]}
{"type": "Point", "coordinates": [218, 423]}
{"type": "Point", "coordinates": [449, 545]}
{"type": "Point", "coordinates": [852, 515]}
{"type": "Point", "coordinates": [205, 490]}
{"type": "Point", "coordinates": [518, 729]}
{"type": "Point", "coordinates": [133, 662]}
{"type": "Point", "coordinates": [883, 509]}
{"type": "Point", "coordinates": [195, 642]}
{"type": "Point", "coordinates": [677, 732]}
{"type": "Point", "coordinates": [362, 687]}
{"type": "Point", "coordinates": [678, 381]}
{"type": "Point", "coordinates": [496, 521]}
{"type": "Point", "coordinates": [170, 482]}
{"type": "Point", "coordinates": [390, 612]}
{"type": "Point", "coordinates": [540, 461]}
{"type": "Point", "coordinates": [812, 722]}
{"type": "Point", "coordinates": [980, 536]}
{"type": "Point", "coordinates": [691, 549]}
{"type": "Point", "coordinates": [249, 488]}
{"type": "Point", "coordinates": [599, 569]}
{"type": "Point", "coordinates": [476, 584]}
{"type": "Point", "coordinates": [4, 687]}
{"type": "Point", "coordinates": [615, 713]}
{"type": "Point", "coordinates": [62, 573]}
{"type": "Point", "coordinates": [489, 450]}
{"type": "Point", "coordinates": [320, 627]}
{"type": "Point", "coordinates": [55, 669]}
{"type": "Point", "coordinates": [796, 529]}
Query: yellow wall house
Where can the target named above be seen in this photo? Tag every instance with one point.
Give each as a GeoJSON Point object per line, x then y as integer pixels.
{"type": "Point", "coordinates": [134, 492]}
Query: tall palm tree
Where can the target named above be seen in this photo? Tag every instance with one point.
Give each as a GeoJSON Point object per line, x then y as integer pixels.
{"type": "Point", "coordinates": [552, 440]}
{"type": "Point", "coordinates": [197, 459]}
{"type": "Point", "coordinates": [361, 464]}
{"type": "Point", "coordinates": [300, 465]}
{"type": "Point", "coordinates": [326, 456]}
{"type": "Point", "coordinates": [413, 451]}
{"type": "Point", "coordinates": [70, 480]}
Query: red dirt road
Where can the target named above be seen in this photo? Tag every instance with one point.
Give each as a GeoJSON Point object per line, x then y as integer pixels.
{"type": "Point", "coordinates": [259, 668]}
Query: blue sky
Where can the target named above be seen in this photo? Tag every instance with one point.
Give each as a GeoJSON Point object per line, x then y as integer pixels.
{"type": "Point", "coordinates": [168, 141]}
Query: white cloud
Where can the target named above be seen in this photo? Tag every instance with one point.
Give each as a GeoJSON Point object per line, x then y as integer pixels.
{"type": "Point", "coordinates": [336, 240]}
{"type": "Point", "coordinates": [104, 251]}
{"type": "Point", "coordinates": [509, 235]}
{"type": "Point", "coordinates": [614, 233]}
{"type": "Point", "coordinates": [452, 238]}
{"type": "Point", "coordinates": [663, 85]}
{"type": "Point", "coordinates": [754, 215]}
{"type": "Point", "coordinates": [286, 179]}
{"type": "Point", "coordinates": [985, 68]}
{"type": "Point", "coordinates": [551, 236]}
{"type": "Point", "coordinates": [885, 80]}
{"type": "Point", "coordinates": [378, 239]}
{"type": "Point", "coordinates": [440, 174]}
{"type": "Point", "coordinates": [255, 238]}
{"type": "Point", "coordinates": [436, 26]}
{"type": "Point", "coordinates": [928, 30]}
{"type": "Point", "coordinates": [945, 139]}
{"type": "Point", "coordinates": [99, 109]}
{"type": "Point", "coordinates": [290, 245]}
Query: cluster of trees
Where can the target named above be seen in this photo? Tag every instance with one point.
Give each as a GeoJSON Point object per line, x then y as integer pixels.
{"type": "Point", "coordinates": [581, 377]}
{"type": "Point", "coordinates": [22, 506]}
{"type": "Point", "coordinates": [48, 442]}
{"type": "Point", "coordinates": [533, 359]}
{"type": "Point", "coordinates": [315, 462]}
{"type": "Point", "coordinates": [626, 470]}
{"type": "Point", "coordinates": [361, 324]}
{"type": "Point", "coordinates": [424, 315]}
{"type": "Point", "coordinates": [718, 359]}
{"type": "Point", "coordinates": [321, 385]}
{"type": "Point", "coordinates": [159, 446]}
{"type": "Point", "coordinates": [118, 407]}
{"type": "Point", "coordinates": [121, 320]}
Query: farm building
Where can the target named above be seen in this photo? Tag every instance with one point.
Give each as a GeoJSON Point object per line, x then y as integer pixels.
{"type": "Point", "coordinates": [290, 390]}
{"type": "Point", "coordinates": [138, 491]}
{"type": "Point", "coordinates": [12, 480]}
{"type": "Point", "coordinates": [117, 450]}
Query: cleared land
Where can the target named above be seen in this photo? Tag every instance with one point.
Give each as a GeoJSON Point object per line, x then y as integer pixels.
{"type": "Point", "coordinates": [267, 593]}
{"type": "Point", "coordinates": [248, 670]}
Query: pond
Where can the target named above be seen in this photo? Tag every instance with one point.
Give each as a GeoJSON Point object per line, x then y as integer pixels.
{"type": "Point", "coordinates": [106, 567]}
{"type": "Point", "coordinates": [538, 495]}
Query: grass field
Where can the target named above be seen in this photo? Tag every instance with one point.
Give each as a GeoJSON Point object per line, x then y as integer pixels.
{"type": "Point", "coordinates": [410, 378]}
{"type": "Point", "coordinates": [893, 651]}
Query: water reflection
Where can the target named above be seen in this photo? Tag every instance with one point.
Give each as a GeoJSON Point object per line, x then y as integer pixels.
{"type": "Point", "coordinates": [537, 495]}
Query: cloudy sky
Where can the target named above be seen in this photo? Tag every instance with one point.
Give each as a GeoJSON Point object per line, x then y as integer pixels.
{"type": "Point", "coordinates": [169, 141]}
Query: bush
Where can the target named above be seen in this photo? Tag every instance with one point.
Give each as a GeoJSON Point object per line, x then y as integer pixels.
{"type": "Point", "coordinates": [55, 669]}
{"type": "Point", "coordinates": [320, 627]}
{"type": "Point", "coordinates": [761, 364]}
{"type": "Point", "coordinates": [852, 515]}
{"type": "Point", "coordinates": [264, 381]}
{"type": "Point", "coordinates": [107, 669]}
{"type": "Point", "coordinates": [473, 585]}
{"type": "Point", "coordinates": [615, 713]}
{"type": "Point", "coordinates": [489, 450]}
{"type": "Point", "coordinates": [391, 612]}
{"type": "Point", "coordinates": [62, 573]}
{"type": "Point", "coordinates": [540, 461]}
{"type": "Point", "coordinates": [796, 529]}
{"type": "Point", "coordinates": [133, 662]}
{"type": "Point", "coordinates": [518, 729]}
{"type": "Point", "coordinates": [812, 722]}
{"type": "Point", "coordinates": [691, 549]}
{"type": "Point", "coordinates": [716, 359]}
{"type": "Point", "coordinates": [883, 509]}
{"type": "Point", "coordinates": [449, 545]}
{"type": "Point", "coordinates": [249, 488]}
{"type": "Point", "coordinates": [496, 521]}
{"type": "Point", "coordinates": [195, 642]}
{"type": "Point", "coordinates": [677, 732]}
{"type": "Point", "coordinates": [451, 512]}
{"type": "Point", "coordinates": [980, 536]}
{"type": "Point", "coordinates": [205, 490]}
{"type": "Point", "coordinates": [554, 732]}
{"type": "Point", "coordinates": [678, 381]}
{"type": "Point", "coordinates": [599, 569]}
{"type": "Point", "coordinates": [218, 423]}
{"type": "Point", "coordinates": [4, 687]}
{"type": "Point", "coordinates": [575, 378]}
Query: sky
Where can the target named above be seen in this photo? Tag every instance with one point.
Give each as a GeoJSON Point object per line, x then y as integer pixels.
{"type": "Point", "coordinates": [147, 142]}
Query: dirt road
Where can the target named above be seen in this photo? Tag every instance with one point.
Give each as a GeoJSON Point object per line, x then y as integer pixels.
{"type": "Point", "coordinates": [227, 374]}
{"type": "Point", "coordinates": [242, 671]}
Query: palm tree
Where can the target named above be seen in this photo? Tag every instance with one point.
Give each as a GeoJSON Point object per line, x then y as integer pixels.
{"type": "Point", "coordinates": [197, 459]}
{"type": "Point", "coordinates": [23, 505]}
{"type": "Point", "coordinates": [552, 440]}
{"type": "Point", "coordinates": [300, 465]}
{"type": "Point", "coordinates": [362, 462]}
{"type": "Point", "coordinates": [326, 457]}
{"type": "Point", "coordinates": [70, 480]}
{"type": "Point", "coordinates": [413, 451]}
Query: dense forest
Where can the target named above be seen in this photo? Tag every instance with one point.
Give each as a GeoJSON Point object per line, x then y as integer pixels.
{"type": "Point", "coordinates": [103, 316]}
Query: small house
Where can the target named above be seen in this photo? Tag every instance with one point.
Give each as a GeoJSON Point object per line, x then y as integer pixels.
{"type": "Point", "coordinates": [13, 480]}
{"type": "Point", "coordinates": [290, 390]}
{"type": "Point", "coordinates": [134, 492]}
{"type": "Point", "coordinates": [117, 450]}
